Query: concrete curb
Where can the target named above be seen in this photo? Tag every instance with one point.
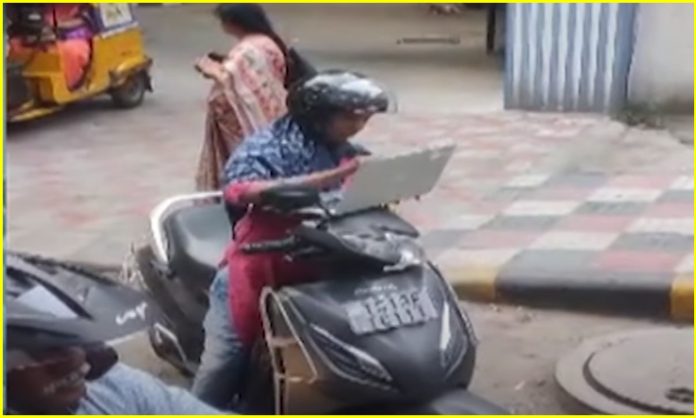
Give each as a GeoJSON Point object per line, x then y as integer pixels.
{"type": "Point", "coordinates": [673, 300]}
{"type": "Point", "coordinates": [669, 300]}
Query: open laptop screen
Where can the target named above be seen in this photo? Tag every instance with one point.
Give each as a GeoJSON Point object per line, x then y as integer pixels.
{"type": "Point", "coordinates": [385, 180]}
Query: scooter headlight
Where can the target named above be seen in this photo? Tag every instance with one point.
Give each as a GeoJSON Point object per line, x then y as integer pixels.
{"type": "Point", "coordinates": [395, 251]}
{"type": "Point", "coordinates": [412, 252]}
{"type": "Point", "coordinates": [350, 362]}
{"type": "Point", "coordinates": [454, 343]}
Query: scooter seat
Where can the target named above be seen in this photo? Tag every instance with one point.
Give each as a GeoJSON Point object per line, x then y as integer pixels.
{"type": "Point", "coordinates": [197, 237]}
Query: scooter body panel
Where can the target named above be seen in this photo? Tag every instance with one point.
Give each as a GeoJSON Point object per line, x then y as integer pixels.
{"type": "Point", "coordinates": [359, 337]}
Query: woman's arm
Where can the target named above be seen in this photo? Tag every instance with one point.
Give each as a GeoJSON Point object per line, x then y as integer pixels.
{"type": "Point", "coordinates": [211, 69]}
{"type": "Point", "coordinates": [245, 193]}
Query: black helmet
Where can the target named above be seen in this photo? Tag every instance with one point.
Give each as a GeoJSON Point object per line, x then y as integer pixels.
{"type": "Point", "coordinates": [336, 91]}
{"type": "Point", "coordinates": [50, 305]}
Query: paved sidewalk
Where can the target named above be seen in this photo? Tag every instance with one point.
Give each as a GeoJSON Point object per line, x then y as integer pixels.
{"type": "Point", "coordinates": [587, 240]}
{"type": "Point", "coordinates": [86, 196]}
{"type": "Point", "coordinates": [561, 209]}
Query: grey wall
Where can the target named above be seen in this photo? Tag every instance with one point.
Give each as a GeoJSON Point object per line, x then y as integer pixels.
{"type": "Point", "coordinates": [662, 71]}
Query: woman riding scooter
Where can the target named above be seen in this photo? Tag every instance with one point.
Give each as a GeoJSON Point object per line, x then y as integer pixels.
{"type": "Point", "coordinates": [307, 147]}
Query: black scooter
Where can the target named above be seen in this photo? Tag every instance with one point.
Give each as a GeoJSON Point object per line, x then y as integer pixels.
{"type": "Point", "coordinates": [381, 333]}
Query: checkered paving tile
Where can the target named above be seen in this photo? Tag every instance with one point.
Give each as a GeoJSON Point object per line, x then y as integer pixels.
{"type": "Point", "coordinates": [677, 196]}
{"type": "Point", "coordinates": [594, 223]}
{"type": "Point", "coordinates": [613, 208]}
{"type": "Point", "coordinates": [533, 223]}
{"type": "Point", "coordinates": [574, 240]}
{"type": "Point", "coordinates": [531, 260]}
{"type": "Point", "coordinates": [624, 194]}
{"type": "Point", "coordinates": [683, 226]}
{"type": "Point", "coordinates": [647, 261]}
{"type": "Point", "coordinates": [579, 225]}
{"type": "Point", "coordinates": [684, 183]}
{"type": "Point", "coordinates": [656, 242]}
{"type": "Point", "coordinates": [541, 208]}
{"type": "Point", "coordinates": [494, 258]}
{"type": "Point", "coordinates": [686, 265]}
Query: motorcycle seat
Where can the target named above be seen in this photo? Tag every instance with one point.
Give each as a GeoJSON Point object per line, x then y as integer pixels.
{"type": "Point", "coordinates": [197, 238]}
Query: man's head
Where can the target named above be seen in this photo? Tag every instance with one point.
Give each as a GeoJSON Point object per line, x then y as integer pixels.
{"type": "Point", "coordinates": [337, 104]}
{"type": "Point", "coordinates": [57, 324]}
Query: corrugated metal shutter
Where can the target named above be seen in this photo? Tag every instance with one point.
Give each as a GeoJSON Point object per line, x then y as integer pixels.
{"type": "Point", "coordinates": [568, 57]}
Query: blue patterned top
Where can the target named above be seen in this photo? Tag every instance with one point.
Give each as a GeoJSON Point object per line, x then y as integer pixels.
{"type": "Point", "coordinates": [283, 150]}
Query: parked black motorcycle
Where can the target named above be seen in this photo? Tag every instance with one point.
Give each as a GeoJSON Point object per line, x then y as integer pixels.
{"type": "Point", "coordinates": [381, 333]}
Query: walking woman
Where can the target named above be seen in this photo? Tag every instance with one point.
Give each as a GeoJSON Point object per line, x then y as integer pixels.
{"type": "Point", "coordinates": [249, 87]}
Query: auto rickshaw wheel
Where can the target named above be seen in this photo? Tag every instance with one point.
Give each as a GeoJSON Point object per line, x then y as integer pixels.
{"type": "Point", "coordinates": [131, 93]}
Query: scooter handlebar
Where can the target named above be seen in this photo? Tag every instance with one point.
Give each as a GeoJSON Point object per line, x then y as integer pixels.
{"type": "Point", "coordinates": [284, 244]}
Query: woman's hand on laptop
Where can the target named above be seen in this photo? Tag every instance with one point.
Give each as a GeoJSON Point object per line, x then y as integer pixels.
{"type": "Point", "coordinates": [349, 166]}
{"type": "Point", "coordinates": [340, 174]}
{"type": "Point", "coordinates": [327, 178]}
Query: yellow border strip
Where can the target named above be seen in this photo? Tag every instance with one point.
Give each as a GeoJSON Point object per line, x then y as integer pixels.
{"type": "Point", "coordinates": [481, 283]}
{"type": "Point", "coordinates": [682, 298]}
{"type": "Point", "coordinates": [472, 282]}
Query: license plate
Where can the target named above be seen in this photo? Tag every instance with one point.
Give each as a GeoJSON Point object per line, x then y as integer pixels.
{"type": "Point", "coordinates": [390, 311]}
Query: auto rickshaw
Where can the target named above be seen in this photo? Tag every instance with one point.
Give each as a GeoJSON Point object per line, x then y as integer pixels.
{"type": "Point", "coordinates": [40, 77]}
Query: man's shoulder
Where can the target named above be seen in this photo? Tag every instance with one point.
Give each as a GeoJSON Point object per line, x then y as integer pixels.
{"type": "Point", "coordinates": [129, 391]}
{"type": "Point", "coordinates": [119, 373]}
{"type": "Point", "coordinates": [122, 371]}
{"type": "Point", "coordinates": [109, 394]}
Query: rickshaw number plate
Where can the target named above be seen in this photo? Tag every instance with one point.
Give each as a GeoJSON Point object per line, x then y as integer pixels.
{"type": "Point", "coordinates": [114, 15]}
{"type": "Point", "coordinates": [389, 311]}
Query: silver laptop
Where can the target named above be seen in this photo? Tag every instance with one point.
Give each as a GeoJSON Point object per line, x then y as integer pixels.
{"type": "Point", "coordinates": [385, 180]}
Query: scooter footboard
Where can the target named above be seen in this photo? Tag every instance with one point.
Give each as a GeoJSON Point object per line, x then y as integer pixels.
{"type": "Point", "coordinates": [296, 389]}
{"type": "Point", "coordinates": [454, 402]}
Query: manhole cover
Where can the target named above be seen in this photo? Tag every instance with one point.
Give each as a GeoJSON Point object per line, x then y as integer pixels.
{"type": "Point", "coordinates": [648, 371]}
